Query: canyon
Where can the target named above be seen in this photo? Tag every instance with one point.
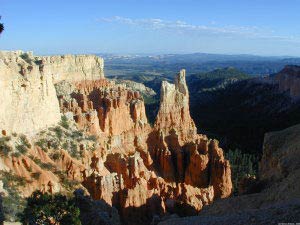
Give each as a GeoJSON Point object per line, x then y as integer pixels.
{"type": "Point", "coordinates": [81, 130]}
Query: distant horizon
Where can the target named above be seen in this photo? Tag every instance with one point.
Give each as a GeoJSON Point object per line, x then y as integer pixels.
{"type": "Point", "coordinates": [153, 53]}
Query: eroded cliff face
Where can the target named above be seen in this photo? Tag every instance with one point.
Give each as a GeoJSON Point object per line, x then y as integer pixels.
{"type": "Point", "coordinates": [105, 145]}
{"type": "Point", "coordinates": [288, 81]}
{"type": "Point", "coordinates": [28, 97]}
{"type": "Point", "coordinates": [73, 68]}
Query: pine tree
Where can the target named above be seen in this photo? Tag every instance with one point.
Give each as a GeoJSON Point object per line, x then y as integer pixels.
{"type": "Point", "coordinates": [242, 164]}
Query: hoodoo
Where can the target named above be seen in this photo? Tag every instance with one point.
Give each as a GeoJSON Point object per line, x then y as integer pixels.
{"type": "Point", "coordinates": [174, 112]}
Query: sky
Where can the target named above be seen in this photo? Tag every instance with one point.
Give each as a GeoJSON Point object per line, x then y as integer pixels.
{"type": "Point", "coordinates": [261, 27]}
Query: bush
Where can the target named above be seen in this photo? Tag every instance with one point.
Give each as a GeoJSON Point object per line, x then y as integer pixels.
{"type": "Point", "coordinates": [55, 156]}
{"type": "Point", "coordinates": [21, 149]}
{"type": "Point", "coordinates": [58, 132]}
{"type": "Point", "coordinates": [92, 138]}
{"type": "Point", "coordinates": [65, 181]}
{"type": "Point", "coordinates": [47, 166]}
{"type": "Point", "coordinates": [13, 204]}
{"type": "Point", "coordinates": [66, 145]}
{"type": "Point", "coordinates": [36, 175]}
{"type": "Point", "coordinates": [43, 144]}
{"type": "Point", "coordinates": [5, 148]}
{"type": "Point", "coordinates": [25, 141]}
{"type": "Point", "coordinates": [16, 154]}
{"type": "Point", "coordinates": [64, 122]}
{"type": "Point", "coordinates": [50, 209]}
{"type": "Point", "coordinates": [25, 56]}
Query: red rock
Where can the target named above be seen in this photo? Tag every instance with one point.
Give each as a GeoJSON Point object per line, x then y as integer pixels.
{"type": "Point", "coordinates": [141, 170]}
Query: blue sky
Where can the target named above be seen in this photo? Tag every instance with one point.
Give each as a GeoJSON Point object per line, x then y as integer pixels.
{"type": "Point", "coordinates": [263, 27]}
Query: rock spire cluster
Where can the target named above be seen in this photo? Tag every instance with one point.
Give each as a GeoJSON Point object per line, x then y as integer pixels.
{"type": "Point", "coordinates": [141, 170]}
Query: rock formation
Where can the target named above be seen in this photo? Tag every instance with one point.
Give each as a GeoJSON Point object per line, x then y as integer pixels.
{"type": "Point", "coordinates": [276, 196]}
{"type": "Point", "coordinates": [288, 81]}
{"type": "Point", "coordinates": [135, 86]}
{"type": "Point", "coordinates": [106, 146]}
{"type": "Point", "coordinates": [28, 97]}
{"type": "Point", "coordinates": [285, 81]}
{"type": "Point", "coordinates": [174, 113]}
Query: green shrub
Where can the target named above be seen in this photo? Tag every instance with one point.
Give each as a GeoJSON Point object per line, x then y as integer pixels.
{"type": "Point", "coordinates": [66, 145]}
{"type": "Point", "coordinates": [43, 144]}
{"type": "Point", "coordinates": [74, 150]}
{"type": "Point", "coordinates": [64, 122]}
{"type": "Point", "coordinates": [5, 148]}
{"type": "Point", "coordinates": [36, 175]}
{"type": "Point", "coordinates": [21, 149]}
{"type": "Point", "coordinates": [77, 134]}
{"type": "Point", "coordinates": [65, 181]}
{"type": "Point", "coordinates": [25, 141]}
{"type": "Point", "coordinates": [13, 204]}
{"type": "Point", "coordinates": [47, 166]}
{"type": "Point", "coordinates": [26, 58]}
{"type": "Point", "coordinates": [54, 143]}
{"type": "Point", "coordinates": [11, 179]}
{"type": "Point", "coordinates": [16, 154]}
{"type": "Point", "coordinates": [58, 132]}
{"type": "Point", "coordinates": [55, 156]}
{"type": "Point", "coordinates": [92, 138]}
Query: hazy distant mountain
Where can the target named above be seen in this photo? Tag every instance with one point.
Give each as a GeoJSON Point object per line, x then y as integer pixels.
{"type": "Point", "coordinates": [168, 64]}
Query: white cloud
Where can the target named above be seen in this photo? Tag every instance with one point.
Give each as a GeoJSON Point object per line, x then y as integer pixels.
{"type": "Point", "coordinates": [212, 29]}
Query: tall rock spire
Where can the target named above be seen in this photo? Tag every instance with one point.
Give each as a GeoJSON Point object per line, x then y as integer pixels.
{"type": "Point", "coordinates": [174, 112]}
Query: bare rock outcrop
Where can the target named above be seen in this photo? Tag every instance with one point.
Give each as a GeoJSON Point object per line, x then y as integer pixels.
{"type": "Point", "coordinates": [73, 67]}
{"type": "Point", "coordinates": [28, 99]}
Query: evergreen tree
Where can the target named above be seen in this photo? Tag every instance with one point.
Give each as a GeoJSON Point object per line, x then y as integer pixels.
{"type": "Point", "coordinates": [242, 164]}
{"type": "Point", "coordinates": [46, 209]}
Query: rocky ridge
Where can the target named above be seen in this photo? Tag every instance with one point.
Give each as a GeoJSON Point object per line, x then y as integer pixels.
{"type": "Point", "coordinates": [105, 145]}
